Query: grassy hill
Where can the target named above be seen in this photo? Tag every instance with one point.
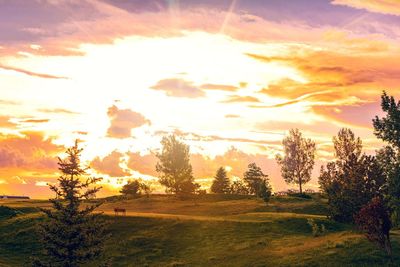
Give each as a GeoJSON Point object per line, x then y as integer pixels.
{"type": "Point", "coordinates": [208, 230]}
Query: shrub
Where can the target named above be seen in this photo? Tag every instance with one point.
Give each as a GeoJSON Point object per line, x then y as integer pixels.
{"type": "Point", "coordinates": [374, 220]}
{"type": "Point", "coordinates": [300, 195]}
{"type": "Point", "coordinates": [316, 230]}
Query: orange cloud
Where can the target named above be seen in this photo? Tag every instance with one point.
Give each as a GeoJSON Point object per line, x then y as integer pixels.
{"type": "Point", "coordinates": [26, 159]}
{"type": "Point", "coordinates": [241, 99]}
{"type": "Point", "coordinates": [5, 122]}
{"type": "Point", "coordinates": [145, 164]}
{"type": "Point", "coordinates": [391, 7]}
{"type": "Point", "coordinates": [110, 165]}
{"type": "Point", "coordinates": [30, 152]}
{"type": "Point", "coordinates": [360, 115]}
{"type": "Point", "coordinates": [122, 121]}
{"type": "Point", "coordinates": [221, 87]}
{"type": "Point", "coordinates": [178, 88]}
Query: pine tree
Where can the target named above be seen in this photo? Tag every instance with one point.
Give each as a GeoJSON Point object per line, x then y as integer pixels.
{"type": "Point", "coordinates": [221, 184]}
{"type": "Point", "coordinates": [255, 178]}
{"type": "Point", "coordinates": [72, 235]}
{"type": "Point", "coordinates": [298, 161]}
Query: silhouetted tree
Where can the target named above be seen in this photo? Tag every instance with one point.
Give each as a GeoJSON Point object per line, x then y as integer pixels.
{"type": "Point", "coordinates": [174, 167]}
{"type": "Point", "coordinates": [221, 184]}
{"type": "Point", "coordinates": [135, 188]}
{"type": "Point", "coordinates": [264, 191]}
{"type": "Point", "coordinates": [388, 129]}
{"type": "Point", "coordinates": [373, 219]}
{"type": "Point", "coordinates": [298, 160]}
{"type": "Point", "coordinates": [352, 180]}
{"type": "Point", "coordinates": [239, 188]}
{"type": "Point", "coordinates": [389, 160]}
{"type": "Point", "coordinates": [255, 179]}
{"type": "Point", "coordinates": [72, 235]}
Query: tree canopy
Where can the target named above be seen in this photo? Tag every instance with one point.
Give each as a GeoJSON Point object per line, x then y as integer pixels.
{"type": "Point", "coordinates": [135, 188]}
{"type": "Point", "coordinates": [174, 168]}
{"type": "Point", "coordinates": [255, 178]}
{"type": "Point", "coordinates": [352, 180]}
{"type": "Point", "coordinates": [298, 160]}
{"type": "Point", "coordinates": [388, 129]}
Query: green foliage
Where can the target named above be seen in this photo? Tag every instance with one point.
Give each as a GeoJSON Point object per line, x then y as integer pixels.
{"type": "Point", "coordinates": [175, 171]}
{"type": "Point", "coordinates": [221, 184]}
{"type": "Point", "coordinates": [135, 188]}
{"type": "Point", "coordinates": [7, 212]}
{"type": "Point", "coordinates": [298, 161]}
{"type": "Point", "coordinates": [388, 129]}
{"type": "Point", "coordinates": [300, 195]}
{"type": "Point", "coordinates": [257, 182]}
{"type": "Point", "coordinates": [315, 228]}
{"type": "Point", "coordinates": [373, 219]}
{"type": "Point", "coordinates": [352, 180]}
{"type": "Point", "coordinates": [72, 235]}
{"type": "Point", "coordinates": [264, 191]}
{"type": "Point", "coordinates": [239, 188]}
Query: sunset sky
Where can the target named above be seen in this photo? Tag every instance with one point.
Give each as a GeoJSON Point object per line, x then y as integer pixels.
{"type": "Point", "coordinates": [229, 77]}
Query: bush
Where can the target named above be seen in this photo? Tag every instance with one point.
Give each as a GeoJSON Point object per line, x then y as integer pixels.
{"type": "Point", "coordinates": [135, 188]}
{"type": "Point", "coordinates": [7, 212]}
{"type": "Point", "coordinates": [374, 220]}
{"type": "Point", "coordinates": [316, 230]}
{"type": "Point", "coordinates": [300, 195]}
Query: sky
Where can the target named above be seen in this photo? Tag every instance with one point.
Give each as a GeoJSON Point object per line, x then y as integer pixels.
{"type": "Point", "coordinates": [230, 78]}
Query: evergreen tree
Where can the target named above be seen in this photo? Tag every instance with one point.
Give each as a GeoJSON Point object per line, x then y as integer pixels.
{"type": "Point", "coordinates": [174, 167]}
{"type": "Point", "coordinates": [221, 183]}
{"type": "Point", "coordinates": [255, 178]}
{"type": "Point", "coordinates": [72, 235]}
{"type": "Point", "coordinates": [352, 180]}
{"type": "Point", "coordinates": [298, 161]}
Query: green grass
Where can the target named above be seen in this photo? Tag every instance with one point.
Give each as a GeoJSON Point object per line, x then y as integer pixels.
{"type": "Point", "coordinates": [210, 230]}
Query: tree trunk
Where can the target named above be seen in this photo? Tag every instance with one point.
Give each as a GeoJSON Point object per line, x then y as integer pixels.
{"type": "Point", "coordinates": [301, 189]}
{"type": "Point", "coordinates": [388, 247]}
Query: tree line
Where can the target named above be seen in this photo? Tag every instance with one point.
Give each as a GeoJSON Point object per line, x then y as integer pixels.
{"type": "Point", "coordinates": [361, 189]}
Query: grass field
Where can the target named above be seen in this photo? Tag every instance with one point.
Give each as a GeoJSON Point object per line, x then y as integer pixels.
{"type": "Point", "coordinates": [209, 230]}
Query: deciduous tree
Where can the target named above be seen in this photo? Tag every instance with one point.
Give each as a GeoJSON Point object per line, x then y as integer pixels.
{"type": "Point", "coordinates": [135, 188]}
{"type": "Point", "coordinates": [388, 129]}
{"type": "Point", "coordinates": [255, 178]}
{"type": "Point", "coordinates": [298, 160]}
{"type": "Point", "coordinates": [352, 180]}
{"type": "Point", "coordinates": [239, 188]}
{"type": "Point", "coordinates": [174, 168]}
